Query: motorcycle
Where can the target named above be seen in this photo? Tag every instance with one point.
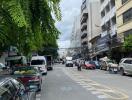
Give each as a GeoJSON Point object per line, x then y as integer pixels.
{"type": "Point", "coordinates": [79, 68]}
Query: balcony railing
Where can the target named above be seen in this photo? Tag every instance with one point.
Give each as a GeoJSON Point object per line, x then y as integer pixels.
{"type": "Point", "coordinates": [84, 41]}
{"type": "Point", "coordinates": [84, 34]}
{"type": "Point", "coordinates": [84, 27]}
{"type": "Point", "coordinates": [84, 18]}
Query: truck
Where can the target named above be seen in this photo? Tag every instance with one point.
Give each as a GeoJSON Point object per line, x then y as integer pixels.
{"type": "Point", "coordinates": [49, 60]}
{"type": "Point", "coordinates": [68, 58]}
{"type": "Point", "coordinates": [69, 62]}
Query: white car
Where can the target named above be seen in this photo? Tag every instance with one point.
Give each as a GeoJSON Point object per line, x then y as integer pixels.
{"type": "Point", "coordinates": [125, 66]}
{"type": "Point", "coordinates": [40, 62]}
{"type": "Point", "coordinates": [69, 63]}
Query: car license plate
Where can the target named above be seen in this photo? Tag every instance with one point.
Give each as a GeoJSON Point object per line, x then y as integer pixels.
{"type": "Point", "coordinates": [115, 69]}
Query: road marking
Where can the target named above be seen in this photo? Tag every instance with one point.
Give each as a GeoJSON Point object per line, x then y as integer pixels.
{"type": "Point", "coordinates": [100, 90]}
{"type": "Point", "coordinates": [38, 96]}
{"type": "Point", "coordinates": [102, 96]}
{"type": "Point", "coordinates": [91, 88]}
{"type": "Point", "coordinates": [96, 92]}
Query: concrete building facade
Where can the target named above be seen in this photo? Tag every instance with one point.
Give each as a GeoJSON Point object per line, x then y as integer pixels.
{"type": "Point", "coordinates": [124, 18]}
{"type": "Point", "coordinates": [108, 27]}
{"type": "Point", "coordinates": [90, 19]}
{"type": "Point", "coordinates": [76, 36]}
{"type": "Point", "coordinates": [108, 17]}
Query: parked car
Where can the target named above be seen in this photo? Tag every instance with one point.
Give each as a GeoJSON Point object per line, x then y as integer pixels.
{"type": "Point", "coordinates": [88, 65]}
{"type": "Point", "coordinates": [125, 66]}
{"type": "Point", "coordinates": [12, 89]}
{"type": "Point", "coordinates": [28, 75]}
{"type": "Point", "coordinates": [69, 63]}
{"type": "Point", "coordinates": [96, 63]}
{"type": "Point", "coordinates": [108, 65]}
{"type": "Point", "coordinates": [40, 62]}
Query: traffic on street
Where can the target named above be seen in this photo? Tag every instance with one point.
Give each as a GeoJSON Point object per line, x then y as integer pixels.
{"type": "Point", "coordinates": [68, 83]}
{"type": "Point", "coordinates": [65, 49]}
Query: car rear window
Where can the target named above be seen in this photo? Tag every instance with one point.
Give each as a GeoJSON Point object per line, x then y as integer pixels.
{"type": "Point", "coordinates": [25, 70]}
{"type": "Point", "coordinates": [87, 62]}
{"type": "Point", "coordinates": [91, 62]}
{"type": "Point", "coordinates": [37, 62]}
{"type": "Point", "coordinates": [128, 61]}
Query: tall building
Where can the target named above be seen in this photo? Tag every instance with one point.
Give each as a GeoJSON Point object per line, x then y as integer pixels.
{"type": "Point", "coordinates": [108, 27]}
{"type": "Point", "coordinates": [108, 17]}
{"type": "Point", "coordinates": [124, 18]}
{"type": "Point", "coordinates": [75, 37]}
{"type": "Point", "coordinates": [90, 19]}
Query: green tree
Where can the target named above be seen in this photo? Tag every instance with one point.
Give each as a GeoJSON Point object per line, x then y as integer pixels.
{"type": "Point", "coordinates": [128, 42]}
{"type": "Point", "coordinates": [28, 24]}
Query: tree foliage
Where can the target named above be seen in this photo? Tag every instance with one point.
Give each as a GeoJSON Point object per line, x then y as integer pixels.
{"type": "Point", "coordinates": [128, 42]}
{"type": "Point", "coordinates": [28, 24]}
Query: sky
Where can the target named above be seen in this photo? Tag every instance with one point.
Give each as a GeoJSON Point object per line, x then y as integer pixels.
{"type": "Point", "coordinates": [69, 9]}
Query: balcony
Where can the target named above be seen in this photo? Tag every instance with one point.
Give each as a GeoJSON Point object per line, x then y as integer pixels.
{"type": "Point", "coordinates": [84, 6]}
{"type": "Point", "coordinates": [84, 34]}
{"type": "Point", "coordinates": [84, 27]}
{"type": "Point", "coordinates": [84, 17]}
{"type": "Point", "coordinates": [84, 41]}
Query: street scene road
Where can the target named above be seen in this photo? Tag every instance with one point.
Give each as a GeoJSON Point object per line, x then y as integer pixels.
{"type": "Point", "coordinates": [65, 49]}
{"type": "Point", "coordinates": [69, 84]}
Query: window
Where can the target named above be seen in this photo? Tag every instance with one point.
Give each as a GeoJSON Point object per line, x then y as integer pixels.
{"type": "Point", "coordinates": [112, 2]}
{"type": "Point", "coordinates": [37, 62]}
{"type": "Point", "coordinates": [107, 8]}
{"type": "Point", "coordinates": [113, 20]}
{"type": "Point", "coordinates": [128, 61]}
{"type": "Point", "coordinates": [128, 32]}
{"type": "Point", "coordinates": [101, 1]}
{"type": "Point", "coordinates": [102, 13]}
{"type": "Point", "coordinates": [127, 16]}
{"type": "Point", "coordinates": [124, 1]}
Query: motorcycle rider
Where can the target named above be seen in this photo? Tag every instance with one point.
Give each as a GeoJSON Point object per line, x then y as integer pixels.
{"type": "Point", "coordinates": [79, 65]}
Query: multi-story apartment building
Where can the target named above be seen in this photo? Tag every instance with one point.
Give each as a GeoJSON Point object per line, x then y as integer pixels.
{"type": "Point", "coordinates": [75, 37]}
{"type": "Point", "coordinates": [108, 17]}
{"type": "Point", "coordinates": [124, 18]}
{"type": "Point", "coordinates": [84, 26]}
{"type": "Point", "coordinates": [108, 25]}
{"type": "Point", "coordinates": [90, 18]}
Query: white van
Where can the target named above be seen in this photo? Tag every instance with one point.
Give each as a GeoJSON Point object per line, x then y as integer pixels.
{"type": "Point", "coordinates": [40, 62]}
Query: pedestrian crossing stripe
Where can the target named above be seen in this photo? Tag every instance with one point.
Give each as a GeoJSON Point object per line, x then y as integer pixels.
{"type": "Point", "coordinates": [38, 96]}
{"type": "Point", "coordinates": [102, 92]}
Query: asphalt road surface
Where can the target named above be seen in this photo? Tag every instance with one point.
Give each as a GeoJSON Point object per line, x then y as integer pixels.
{"type": "Point", "coordinates": [69, 84]}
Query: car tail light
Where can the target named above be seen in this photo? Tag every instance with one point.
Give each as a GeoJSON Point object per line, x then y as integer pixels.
{"type": "Point", "coordinates": [36, 78]}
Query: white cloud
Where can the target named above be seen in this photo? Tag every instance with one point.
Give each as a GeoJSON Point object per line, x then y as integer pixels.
{"type": "Point", "coordinates": [70, 9]}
